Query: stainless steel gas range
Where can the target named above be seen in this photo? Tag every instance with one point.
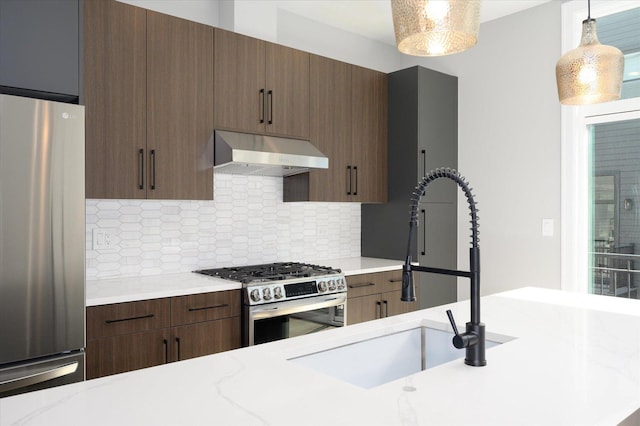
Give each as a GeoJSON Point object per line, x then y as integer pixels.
{"type": "Point", "coordinates": [288, 299]}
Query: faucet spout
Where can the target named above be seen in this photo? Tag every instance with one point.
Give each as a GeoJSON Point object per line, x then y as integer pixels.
{"type": "Point", "coordinates": [473, 339]}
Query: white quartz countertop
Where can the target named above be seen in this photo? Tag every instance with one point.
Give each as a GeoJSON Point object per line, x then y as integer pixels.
{"type": "Point", "coordinates": [129, 289]}
{"type": "Point", "coordinates": [574, 360]}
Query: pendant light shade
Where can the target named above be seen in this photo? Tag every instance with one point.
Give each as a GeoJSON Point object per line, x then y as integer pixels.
{"type": "Point", "coordinates": [435, 27]}
{"type": "Point", "coordinates": [590, 73]}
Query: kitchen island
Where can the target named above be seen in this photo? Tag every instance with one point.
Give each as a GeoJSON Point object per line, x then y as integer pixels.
{"type": "Point", "coordinates": [565, 359]}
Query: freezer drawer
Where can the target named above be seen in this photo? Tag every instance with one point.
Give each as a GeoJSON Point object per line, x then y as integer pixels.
{"type": "Point", "coordinates": [42, 374]}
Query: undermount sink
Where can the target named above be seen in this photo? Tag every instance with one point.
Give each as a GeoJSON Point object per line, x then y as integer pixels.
{"type": "Point", "coordinates": [373, 362]}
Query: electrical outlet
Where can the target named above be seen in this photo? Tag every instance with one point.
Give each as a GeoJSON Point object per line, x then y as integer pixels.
{"type": "Point", "coordinates": [102, 239]}
{"type": "Point", "coordinates": [547, 227]}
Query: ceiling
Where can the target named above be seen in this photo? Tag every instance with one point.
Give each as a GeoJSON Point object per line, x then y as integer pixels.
{"type": "Point", "coordinates": [372, 18]}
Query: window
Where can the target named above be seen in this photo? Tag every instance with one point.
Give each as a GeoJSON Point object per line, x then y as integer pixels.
{"type": "Point", "coordinates": [600, 193]}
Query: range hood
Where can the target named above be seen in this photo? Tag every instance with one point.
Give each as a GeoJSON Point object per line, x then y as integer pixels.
{"type": "Point", "coordinates": [247, 154]}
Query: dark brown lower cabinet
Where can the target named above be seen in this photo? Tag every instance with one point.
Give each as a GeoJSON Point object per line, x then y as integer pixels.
{"type": "Point", "coordinates": [374, 296]}
{"type": "Point", "coordinates": [191, 341]}
{"type": "Point", "coordinates": [129, 336]}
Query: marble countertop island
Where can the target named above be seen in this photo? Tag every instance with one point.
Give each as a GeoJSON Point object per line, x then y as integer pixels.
{"type": "Point", "coordinates": [569, 359]}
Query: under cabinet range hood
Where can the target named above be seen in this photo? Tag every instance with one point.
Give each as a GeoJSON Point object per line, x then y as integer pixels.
{"type": "Point", "coordinates": [247, 154]}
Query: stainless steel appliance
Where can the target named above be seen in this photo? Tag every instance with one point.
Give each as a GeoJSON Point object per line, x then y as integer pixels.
{"type": "Point", "coordinates": [42, 287]}
{"type": "Point", "coordinates": [282, 300]}
{"type": "Point", "coordinates": [247, 154]}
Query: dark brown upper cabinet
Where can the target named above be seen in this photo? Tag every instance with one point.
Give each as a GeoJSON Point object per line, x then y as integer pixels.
{"type": "Point", "coordinates": [148, 94]}
{"type": "Point", "coordinates": [368, 135]}
{"type": "Point", "coordinates": [349, 125]}
{"type": "Point", "coordinates": [260, 87]}
{"type": "Point", "coordinates": [115, 72]}
{"type": "Point", "coordinates": [180, 108]}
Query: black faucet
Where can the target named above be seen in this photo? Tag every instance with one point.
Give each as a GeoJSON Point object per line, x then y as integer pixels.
{"type": "Point", "coordinates": [473, 339]}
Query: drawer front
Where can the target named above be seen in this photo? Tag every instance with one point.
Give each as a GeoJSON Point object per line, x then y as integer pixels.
{"type": "Point", "coordinates": [380, 282]}
{"type": "Point", "coordinates": [390, 280]}
{"type": "Point", "coordinates": [126, 318]}
{"type": "Point", "coordinates": [205, 307]}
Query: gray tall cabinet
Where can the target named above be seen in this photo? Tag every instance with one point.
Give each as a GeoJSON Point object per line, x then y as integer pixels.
{"type": "Point", "coordinates": [423, 135]}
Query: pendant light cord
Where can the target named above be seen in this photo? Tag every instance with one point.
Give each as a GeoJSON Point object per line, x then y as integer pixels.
{"type": "Point", "coordinates": [588, 10]}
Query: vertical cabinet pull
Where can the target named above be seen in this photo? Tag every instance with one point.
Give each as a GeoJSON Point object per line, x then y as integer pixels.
{"type": "Point", "coordinates": [355, 169]}
{"type": "Point", "coordinates": [166, 350]}
{"type": "Point", "coordinates": [178, 347]}
{"type": "Point", "coordinates": [424, 232]}
{"type": "Point", "coordinates": [153, 169]}
{"type": "Point", "coordinates": [424, 162]}
{"type": "Point", "coordinates": [348, 180]}
{"type": "Point", "coordinates": [141, 159]}
{"type": "Point", "coordinates": [270, 107]}
{"type": "Point", "coordinates": [379, 304]}
{"type": "Point", "coordinates": [261, 105]}
{"type": "Point", "coordinates": [386, 308]}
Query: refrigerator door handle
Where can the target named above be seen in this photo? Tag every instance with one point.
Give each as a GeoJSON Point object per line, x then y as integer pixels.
{"type": "Point", "coordinates": [38, 377]}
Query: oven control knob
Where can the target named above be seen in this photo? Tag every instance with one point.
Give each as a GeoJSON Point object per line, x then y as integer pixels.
{"type": "Point", "coordinates": [332, 285]}
{"type": "Point", "coordinates": [322, 286]}
{"type": "Point", "coordinates": [340, 284]}
{"type": "Point", "coordinates": [266, 294]}
{"type": "Point", "coordinates": [277, 293]}
{"type": "Point", "coordinates": [255, 295]}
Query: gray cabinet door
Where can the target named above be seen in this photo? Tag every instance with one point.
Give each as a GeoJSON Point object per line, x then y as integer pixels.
{"type": "Point", "coordinates": [39, 42]}
{"type": "Point", "coordinates": [437, 246]}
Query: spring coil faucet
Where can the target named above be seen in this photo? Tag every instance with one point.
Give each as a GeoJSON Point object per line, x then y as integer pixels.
{"type": "Point", "coordinates": [473, 339]}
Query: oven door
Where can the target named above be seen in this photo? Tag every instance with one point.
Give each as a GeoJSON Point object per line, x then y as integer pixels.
{"type": "Point", "coordinates": [281, 320]}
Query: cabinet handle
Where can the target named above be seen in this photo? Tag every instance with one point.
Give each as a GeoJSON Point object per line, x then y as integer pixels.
{"type": "Point", "coordinates": [166, 350]}
{"type": "Point", "coordinates": [349, 179]}
{"type": "Point", "coordinates": [153, 169]}
{"type": "Point", "coordinates": [224, 305]}
{"type": "Point", "coordinates": [379, 309]}
{"type": "Point", "coordinates": [395, 280]}
{"type": "Point", "coordinates": [424, 231]}
{"type": "Point", "coordinates": [361, 285]}
{"type": "Point", "coordinates": [386, 308]}
{"type": "Point", "coordinates": [261, 105]}
{"type": "Point", "coordinates": [141, 158]}
{"type": "Point", "coordinates": [178, 345]}
{"type": "Point", "coordinates": [424, 162]}
{"type": "Point", "coordinates": [270, 107]}
{"type": "Point", "coordinates": [129, 319]}
{"type": "Point", "coordinates": [355, 169]}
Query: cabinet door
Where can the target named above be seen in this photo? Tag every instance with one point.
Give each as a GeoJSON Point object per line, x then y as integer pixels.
{"type": "Point", "coordinates": [438, 131]}
{"type": "Point", "coordinates": [39, 46]}
{"type": "Point", "coordinates": [437, 247]}
{"type": "Point", "coordinates": [115, 99]}
{"type": "Point", "coordinates": [392, 305]}
{"type": "Point", "coordinates": [117, 354]}
{"type": "Point", "coordinates": [363, 308]}
{"type": "Point", "coordinates": [287, 91]}
{"type": "Point", "coordinates": [369, 135]}
{"type": "Point", "coordinates": [330, 104]}
{"type": "Point", "coordinates": [239, 79]}
{"type": "Point", "coordinates": [205, 338]}
{"type": "Point", "coordinates": [180, 108]}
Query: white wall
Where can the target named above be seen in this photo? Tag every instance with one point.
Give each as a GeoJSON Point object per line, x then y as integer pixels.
{"type": "Point", "coordinates": [509, 122]}
{"type": "Point", "coordinates": [509, 147]}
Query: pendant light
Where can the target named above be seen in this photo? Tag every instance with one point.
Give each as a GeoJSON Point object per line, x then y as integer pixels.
{"type": "Point", "coordinates": [435, 27]}
{"type": "Point", "coordinates": [592, 72]}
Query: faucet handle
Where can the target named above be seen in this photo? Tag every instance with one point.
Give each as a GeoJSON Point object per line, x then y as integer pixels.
{"type": "Point", "coordinates": [461, 340]}
{"type": "Point", "coordinates": [453, 322]}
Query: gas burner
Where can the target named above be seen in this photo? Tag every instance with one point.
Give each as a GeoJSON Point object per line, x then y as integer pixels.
{"type": "Point", "coordinates": [270, 272]}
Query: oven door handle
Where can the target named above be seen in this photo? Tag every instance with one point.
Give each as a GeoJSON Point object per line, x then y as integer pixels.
{"type": "Point", "coordinates": [291, 307]}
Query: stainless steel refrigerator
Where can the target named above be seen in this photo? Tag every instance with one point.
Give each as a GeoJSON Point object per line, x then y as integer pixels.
{"type": "Point", "coordinates": [42, 244]}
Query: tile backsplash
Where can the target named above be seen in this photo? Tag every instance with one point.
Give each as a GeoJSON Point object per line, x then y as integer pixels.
{"type": "Point", "coordinates": [247, 223]}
